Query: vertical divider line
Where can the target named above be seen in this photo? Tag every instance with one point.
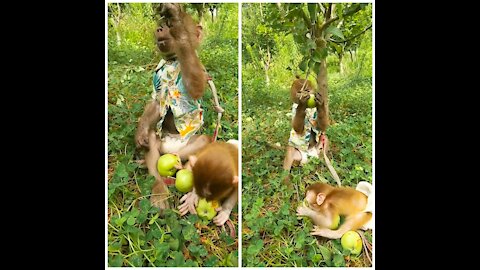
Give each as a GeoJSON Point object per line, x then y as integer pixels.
{"type": "Point", "coordinates": [240, 133]}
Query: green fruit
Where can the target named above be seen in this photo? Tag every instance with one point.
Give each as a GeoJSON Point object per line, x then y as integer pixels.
{"type": "Point", "coordinates": [166, 164]}
{"type": "Point", "coordinates": [335, 223]}
{"type": "Point", "coordinates": [184, 181]}
{"type": "Point", "coordinates": [351, 241]}
{"type": "Point", "coordinates": [311, 101]}
{"type": "Point", "coordinates": [205, 209]}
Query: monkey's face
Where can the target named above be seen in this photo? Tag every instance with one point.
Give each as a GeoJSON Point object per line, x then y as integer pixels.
{"type": "Point", "coordinates": [311, 198]}
{"type": "Point", "coordinates": [164, 39]}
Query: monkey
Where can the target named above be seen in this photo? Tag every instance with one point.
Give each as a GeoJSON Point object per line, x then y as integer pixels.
{"type": "Point", "coordinates": [307, 136]}
{"type": "Point", "coordinates": [215, 177]}
{"type": "Point", "coordinates": [172, 118]}
{"type": "Point", "coordinates": [324, 202]}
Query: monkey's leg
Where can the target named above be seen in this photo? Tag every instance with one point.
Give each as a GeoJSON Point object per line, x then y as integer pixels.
{"type": "Point", "coordinates": [159, 190]}
{"type": "Point", "coordinates": [291, 155]}
{"type": "Point", "coordinates": [352, 223]}
{"type": "Point", "coordinates": [194, 144]}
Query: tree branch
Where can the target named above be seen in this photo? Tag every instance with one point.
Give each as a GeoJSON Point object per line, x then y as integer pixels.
{"type": "Point", "coordinates": [330, 20]}
{"type": "Point", "coordinates": [355, 36]}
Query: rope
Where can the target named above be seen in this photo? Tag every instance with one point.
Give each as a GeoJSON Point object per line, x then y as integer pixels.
{"type": "Point", "coordinates": [216, 107]}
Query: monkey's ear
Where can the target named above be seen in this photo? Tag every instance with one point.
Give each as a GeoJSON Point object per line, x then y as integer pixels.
{"type": "Point", "coordinates": [235, 180]}
{"type": "Point", "coordinates": [199, 32]}
{"type": "Point", "coordinates": [320, 198]}
{"type": "Point", "coordinates": [192, 160]}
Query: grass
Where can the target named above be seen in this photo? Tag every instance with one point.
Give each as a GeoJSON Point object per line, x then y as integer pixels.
{"type": "Point", "coordinates": [272, 234]}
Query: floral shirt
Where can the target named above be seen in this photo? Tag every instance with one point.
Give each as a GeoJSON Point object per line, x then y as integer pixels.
{"type": "Point", "coordinates": [301, 141]}
{"type": "Point", "coordinates": [169, 91]}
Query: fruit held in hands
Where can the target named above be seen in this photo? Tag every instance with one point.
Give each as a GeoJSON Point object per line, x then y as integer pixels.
{"type": "Point", "coordinates": [184, 181]}
{"type": "Point", "coordinates": [351, 241]}
{"type": "Point", "coordinates": [335, 223]}
{"type": "Point", "coordinates": [206, 210]}
{"type": "Point", "coordinates": [311, 101]}
{"type": "Point", "coordinates": [166, 164]}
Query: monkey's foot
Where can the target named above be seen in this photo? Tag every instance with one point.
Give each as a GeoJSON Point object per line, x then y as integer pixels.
{"type": "Point", "coordinates": [221, 217]}
{"type": "Point", "coordinates": [160, 201]}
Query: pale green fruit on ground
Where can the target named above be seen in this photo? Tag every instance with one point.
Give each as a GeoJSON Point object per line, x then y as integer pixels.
{"type": "Point", "coordinates": [352, 241]}
{"type": "Point", "coordinates": [184, 180]}
{"type": "Point", "coordinates": [166, 164]}
{"type": "Point", "coordinates": [336, 222]}
{"type": "Point", "coordinates": [311, 101]}
{"type": "Point", "coordinates": [206, 210]}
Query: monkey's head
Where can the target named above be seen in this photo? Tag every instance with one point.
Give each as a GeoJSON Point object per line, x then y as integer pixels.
{"type": "Point", "coordinates": [168, 34]}
{"type": "Point", "coordinates": [297, 86]}
{"type": "Point", "coordinates": [316, 194]}
{"type": "Point", "coordinates": [215, 171]}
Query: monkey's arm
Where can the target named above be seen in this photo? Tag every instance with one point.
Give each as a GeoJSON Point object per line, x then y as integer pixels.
{"type": "Point", "coordinates": [193, 75]}
{"type": "Point", "coordinates": [150, 116]}
{"type": "Point", "coordinates": [318, 218]}
{"type": "Point", "coordinates": [298, 122]}
{"type": "Point", "coordinates": [226, 208]}
{"type": "Point", "coordinates": [352, 223]}
{"type": "Point", "coordinates": [322, 112]}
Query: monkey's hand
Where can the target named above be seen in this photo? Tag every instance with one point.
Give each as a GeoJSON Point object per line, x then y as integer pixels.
{"type": "Point", "coordinates": [170, 10]}
{"type": "Point", "coordinates": [303, 96]}
{"type": "Point", "coordinates": [141, 137]}
{"type": "Point", "coordinates": [222, 217]}
{"type": "Point", "coordinates": [190, 201]}
{"type": "Point", "coordinates": [302, 211]}
{"type": "Point", "coordinates": [318, 99]}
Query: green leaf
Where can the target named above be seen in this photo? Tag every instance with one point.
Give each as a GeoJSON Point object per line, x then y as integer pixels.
{"type": "Point", "coordinates": [338, 260]}
{"type": "Point", "coordinates": [334, 31]}
{"type": "Point", "coordinates": [161, 251]}
{"type": "Point", "coordinates": [142, 217]}
{"type": "Point", "coordinates": [326, 253]}
{"type": "Point", "coordinates": [303, 65]}
{"type": "Point", "coordinates": [136, 260]}
{"type": "Point", "coordinates": [255, 247]}
{"type": "Point", "coordinates": [115, 246]}
{"type": "Point", "coordinates": [316, 258]}
{"type": "Point", "coordinates": [131, 220]}
{"type": "Point", "coordinates": [152, 220]}
{"type": "Point", "coordinates": [115, 261]}
{"type": "Point", "coordinates": [188, 232]}
{"type": "Point", "coordinates": [145, 205]}
{"type": "Point", "coordinates": [178, 258]}
{"type": "Point", "coordinates": [120, 221]}
{"type": "Point", "coordinates": [121, 174]}
{"type": "Point", "coordinates": [211, 261]}
{"type": "Point", "coordinates": [174, 244]}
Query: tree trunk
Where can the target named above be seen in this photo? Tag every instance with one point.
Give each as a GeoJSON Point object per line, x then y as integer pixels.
{"type": "Point", "coordinates": [322, 88]}
{"type": "Point", "coordinates": [267, 65]}
{"type": "Point", "coordinates": [340, 60]}
{"type": "Point", "coordinates": [119, 39]}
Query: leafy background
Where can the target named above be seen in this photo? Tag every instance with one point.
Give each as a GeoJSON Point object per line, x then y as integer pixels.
{"type": "Point", "coordinates": [273, 48]}
{"type": "Point", "coordinates": [137, 235]}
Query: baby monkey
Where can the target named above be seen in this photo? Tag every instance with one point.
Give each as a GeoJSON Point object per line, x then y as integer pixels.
{"type": "Point", "coordinates": [325, 202]}
{"type": "Point", "coordinates": [215, 176]}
